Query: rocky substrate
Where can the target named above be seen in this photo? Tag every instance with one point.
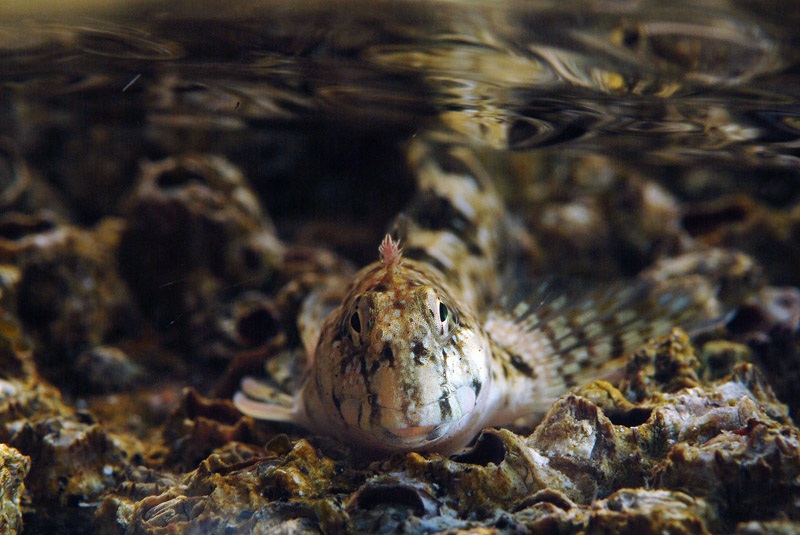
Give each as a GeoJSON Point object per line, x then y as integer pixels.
{"type": "Point", "coordinates": [118, 358]}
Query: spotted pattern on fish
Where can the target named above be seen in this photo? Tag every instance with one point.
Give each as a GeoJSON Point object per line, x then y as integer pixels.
{"type": "Point", "coordinates": [416, 357]}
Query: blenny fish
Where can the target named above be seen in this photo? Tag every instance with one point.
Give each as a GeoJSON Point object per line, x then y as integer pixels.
{"type": "Point", "coordinates": [423, 351]}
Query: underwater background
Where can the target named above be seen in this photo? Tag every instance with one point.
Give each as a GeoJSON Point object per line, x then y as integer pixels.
{"type": "Point", "coordinates": [175, 178]}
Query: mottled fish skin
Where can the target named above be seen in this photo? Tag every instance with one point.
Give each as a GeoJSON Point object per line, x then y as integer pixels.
{"type": "Point", "coordinates": [400, 366]}
{"type": "Point", "coordinates": [457, 223]}
{"type": "Point", "coordinates": [415, 359]}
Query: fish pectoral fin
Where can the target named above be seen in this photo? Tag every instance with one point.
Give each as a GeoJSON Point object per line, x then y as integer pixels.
{"type": "Point", "coordinates": [564, 338]}
{"type": "Point", "coordinates": [259, 400]}
{"type": "Point", "coordinates": [262, 410]}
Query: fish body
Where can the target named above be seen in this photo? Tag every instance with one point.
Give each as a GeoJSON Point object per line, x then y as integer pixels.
{"type": "Point", "coordinates": [415, 357]}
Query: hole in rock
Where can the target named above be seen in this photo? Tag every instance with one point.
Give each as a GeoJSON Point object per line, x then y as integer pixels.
{"type": "Point", "coordinates": [178, 177]}
{"type": "Point", "coordinates": [747, 319]}
{"type": "Point", "coordinates": [257, 326]}
{"type": "Point", "coordinates": [396, 495]}
{"type": "Point", "coordinates": [630, 418]}
{"type": "Point", "coordinates": [251, 259]}
{"type": "Point", "coordinates": [15, 230]}
{"type": "Point", "coordinates": [707, 221]}
{"type": "Point", "coordinates": [489, 448]}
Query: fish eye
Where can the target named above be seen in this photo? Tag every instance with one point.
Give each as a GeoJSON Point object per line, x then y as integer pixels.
{"type": "Point", "coordinates": [445, 319]}
{"type": "Point", "coordinates": [355, 322]}
{"type": "Point", "coordinates": [443, 312]}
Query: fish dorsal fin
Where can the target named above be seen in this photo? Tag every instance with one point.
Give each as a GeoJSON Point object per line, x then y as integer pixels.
{"type": "Point", "coordinates": [558, 337]}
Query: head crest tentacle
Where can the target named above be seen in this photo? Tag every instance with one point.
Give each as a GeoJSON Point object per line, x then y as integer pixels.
{"type": "Point", "coordinates": [390, 253]}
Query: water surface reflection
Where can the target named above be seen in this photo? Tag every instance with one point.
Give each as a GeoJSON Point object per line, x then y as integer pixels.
{"type": "Point", "coordinates": [674, 83]}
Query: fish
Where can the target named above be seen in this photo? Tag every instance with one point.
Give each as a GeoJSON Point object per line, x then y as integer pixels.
{"type": "Point", "coordinates": [424, 350]}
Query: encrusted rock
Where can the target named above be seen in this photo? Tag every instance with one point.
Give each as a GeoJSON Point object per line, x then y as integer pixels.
{"type": "Point", "coordinates": [596, 216]}
{"type": "Point", "coordinates": [651, 511]}
{"type": "Point", "coordinates": [584, 469]}
{"type": "Point", "coordinates": [720, 356]}
{"type": "Point", "coordinates": [498, 472]}
{"type": "Point", "coordinates": [13, 468]}
{"type": "Point", "coordinates": [15, 350]}
{"type": "Point", "coordinates": [587, 450]}
{"type": "Point", "coordinates": [748, 473]}
{"type": "Point", "coordinates": [770, 527]}
{"type": "Point", "coordinates": [28, 400]}
{"type": "Point", "coordinates": [230, 495]}
{"type": "Point", "coordinates": [769, 323]}
{"type": "Point", "coordinates": [254, 258]}
{"type": "Point", "coordinates": [205, 262]}
{"type": "Point", "coordinates": [21, 189]}
{"type": "Point", "coordinates": [183, 215]}
{"type": "Point", "coordinates": [667, 365]}
{"type": "Point", "coordinates": [682, 440]}
{"type": "Point", "coordinates": [107, 368]}
{"type": "Point", "coordinates": [69, 294]}
{"type": "Point", "coordinates": [740, 222]}
{"type": "Point", "coordinates": [199, 426]}
{"type": "Point", "coordinates": [734, 275]}
{"type": "Point", "coordinates": [245, 321]}
{"type": "Point", "coordinates": [71, 462]}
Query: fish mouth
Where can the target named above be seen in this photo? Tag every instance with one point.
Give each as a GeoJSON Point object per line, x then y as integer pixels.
{"type": "Point", "coordinates": [412, 436]}
{"type": "Point", "coordinates": [406, 429]}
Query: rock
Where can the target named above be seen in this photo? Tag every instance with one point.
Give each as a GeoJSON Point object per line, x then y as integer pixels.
{"type": "Point", "coordinates": [194, 207]}
{"type": "Point", "coordinates": [747, 473]}
{"type": "Point", "coordinates": [69, 295]}
{"type": "Point", "coordinates": [107, 369]}
{"type": "Point", "coordinates": [71, 462]}
{"type": "Point", "coordinates": [768, 322]}
{"type": "Point", "coordinates": [13, 468]}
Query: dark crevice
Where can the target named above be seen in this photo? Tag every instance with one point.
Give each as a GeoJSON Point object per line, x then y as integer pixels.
{"type": "Point", "coordinates": [633, 417]}
{"type": "Point", "coordinates": [707, 221]}
{"type": "Point", "coordinates": [489, 448]}
{"type": "Point", "coordinates": [375, 496]}
{"type": "Point", "coordinates": [747, 318]}
{"type": "Point", "coordinates": [257, 326]}
{"type": "Point", "coordinates": [179, 177]}
{"type": "Point", "coordinates": [251, 259]}
{"type": "Point", "coordinates": [15, 230]}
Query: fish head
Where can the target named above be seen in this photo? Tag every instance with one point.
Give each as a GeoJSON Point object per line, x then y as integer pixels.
{"type": "Point", "coordinates": [400, 365]}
